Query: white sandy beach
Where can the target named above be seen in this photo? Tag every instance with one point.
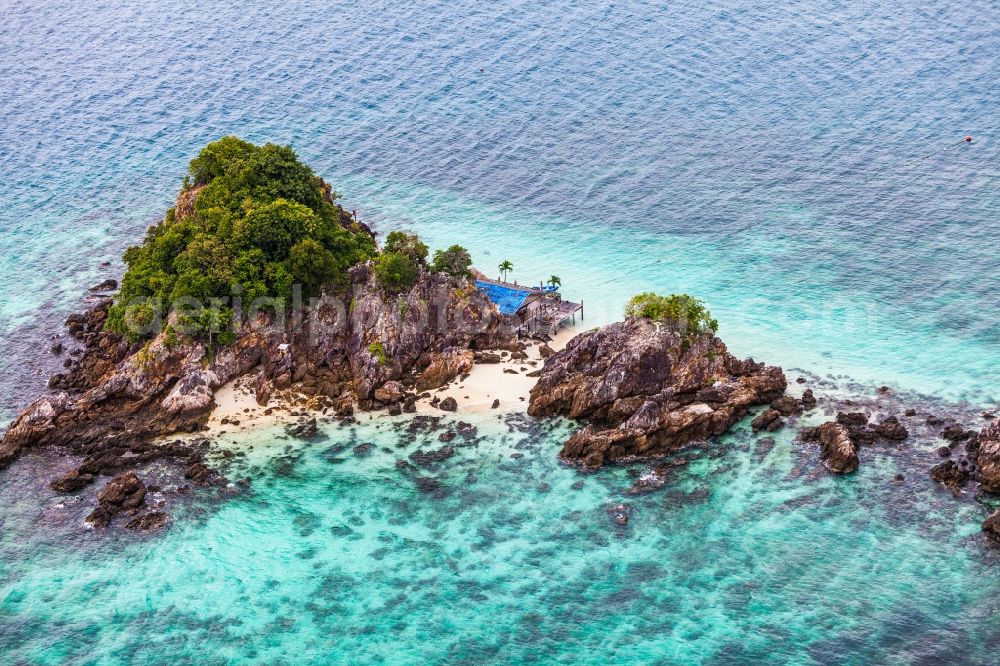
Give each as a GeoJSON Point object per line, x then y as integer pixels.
{"type": "Point", "coordinates": [507, 382]}
{"type": "Point", "coordinates": [237, 409]}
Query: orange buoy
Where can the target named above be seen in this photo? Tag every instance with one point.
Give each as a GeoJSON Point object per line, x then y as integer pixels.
{"type": "Point", "coordinates": [968, 138]}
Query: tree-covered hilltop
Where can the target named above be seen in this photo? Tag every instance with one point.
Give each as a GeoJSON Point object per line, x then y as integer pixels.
{"type": "Point", "coordinates": [252, 221]}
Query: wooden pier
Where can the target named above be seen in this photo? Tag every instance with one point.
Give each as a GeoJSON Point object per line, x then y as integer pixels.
{"type": "Point", "coordinates": [537, 311]}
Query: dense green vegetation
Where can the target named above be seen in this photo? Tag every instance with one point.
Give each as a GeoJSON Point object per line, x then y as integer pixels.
{"type": "Point", "coordinates": [454, 261]}
{"type": "Point", "coordinates": [406, 244]}
{"type": "Point", "coordinates": [404, 255]}
{"type": "Point", "coordinates": [253, 221]}
{"type": "Point", "coordinates": [399, 264]}
{"type": "Point", "coordinates": [396, 272]}
{"type": "Point", "coordinates": [683, 313]}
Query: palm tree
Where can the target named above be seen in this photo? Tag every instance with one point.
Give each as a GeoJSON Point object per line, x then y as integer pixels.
{"type": "Point", "coordinates": [505, 267]}
{"type": "Point", "coordinates": [555, 281]}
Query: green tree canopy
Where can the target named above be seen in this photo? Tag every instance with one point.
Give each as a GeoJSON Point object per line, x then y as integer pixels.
{"type": "Point", "coordinates": [274, 227]}
{"type": "Point", "coordinates": [254, 217]}
{"type": "Point", "coordinates": [396, 271]}
{"type": "Point", "coordinates": [455, 261]}
{"type": "Point", "coordinates": [681, 312]}
{"type": "Point", "coordinates": [408, 244]}
{"type": "Point", "coordinates": [313, 265]}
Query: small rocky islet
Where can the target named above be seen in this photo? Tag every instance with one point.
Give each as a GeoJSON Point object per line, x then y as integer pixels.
{"type": "Point", "coordinates": [642, 388]}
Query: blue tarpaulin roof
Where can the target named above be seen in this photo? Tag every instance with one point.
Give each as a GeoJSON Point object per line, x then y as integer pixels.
{"type": "Point", "coordinates": [507, 299]}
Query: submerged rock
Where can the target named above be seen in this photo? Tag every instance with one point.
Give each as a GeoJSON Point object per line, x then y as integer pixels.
{"type": "Point", "coordinates": [852, 419]}
{"type": "Point", "coordinates": [862, 432]}
{"type": "Point", "coordinates": [645, 391]}
{"type": "Point", "coordinates": [466, 429]}
{"type": "Point", "coordinates": [621, 513]}
{"type": "Point", "coordinates": [430, 486]}
{"type": "Point", "coordinates": [654, 479]}
{"type": "Point", "coordinates": [307, 429]}
{"type": "Point", "coordinates": [198, 472]}
{"type": "Point", "coordinates": [424, 458]}
{"type": "Point", "coordinates": [769, 420]}
{"type": "Point", "coordinates": [988, 457]}
{"type": "Point", "coordinates": [991, 526]}
{"type": "Point", "coordinates": [837, 451]}
{"type": "Point", "coordinates": [891, 428]}
{"type": "Point", "coordinates": [148, 522]}
{"type": "Point", "coordinates": [956, 433]}
{"type": "Point", "coordinates": [125, 492]}
{"type": "Point", "coordinates": [763, 446]}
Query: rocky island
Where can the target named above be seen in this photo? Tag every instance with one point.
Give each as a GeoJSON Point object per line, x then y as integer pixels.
{"type": "Point", "coordinates": [646, 390]}
{"type": "Point", "coordinates": [255, 271]}
{"type": "Point", "coordinates": [257, 275]}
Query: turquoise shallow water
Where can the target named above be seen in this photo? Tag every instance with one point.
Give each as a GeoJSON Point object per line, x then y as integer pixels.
{"type": "Point", "coordinates": [746, 556]}
{"type": "Point", "coordinates": [799, 167]}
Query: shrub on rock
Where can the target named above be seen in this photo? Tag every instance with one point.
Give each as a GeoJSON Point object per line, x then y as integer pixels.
{"type": "Point", "coordinates": [396, 272]}
{"type": "Point", "coordinates": [454, 261]}
{"type": "Point", "coordinates": [680, 312]}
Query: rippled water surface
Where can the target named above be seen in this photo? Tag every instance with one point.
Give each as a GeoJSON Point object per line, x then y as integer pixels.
{"type": "Point", "coordinates": [801, 168]}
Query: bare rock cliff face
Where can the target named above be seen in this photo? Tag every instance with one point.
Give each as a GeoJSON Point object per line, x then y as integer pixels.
{"type": "Point", "coordinates": [645, 393]}
{"type": "Point", "coordinates": [344, 347]}
{"type": "Point", "coordinates": [392, 338]}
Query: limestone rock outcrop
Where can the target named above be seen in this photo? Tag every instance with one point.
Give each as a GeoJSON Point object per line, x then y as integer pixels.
{"type": "Point", "coordinates": [645, 391]}
{"type": "Point", "coordinates": [445, 366]}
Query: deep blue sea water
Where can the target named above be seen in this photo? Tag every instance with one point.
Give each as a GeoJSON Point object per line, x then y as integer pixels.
{"type": "Point", "coordinates": [800, 167]}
